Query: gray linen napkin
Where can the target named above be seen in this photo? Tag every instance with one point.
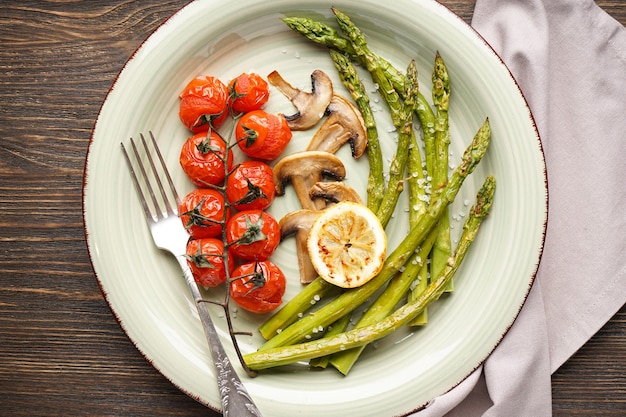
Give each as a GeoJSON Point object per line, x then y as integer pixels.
{"type": "Point", "coordinates": [569, 57]}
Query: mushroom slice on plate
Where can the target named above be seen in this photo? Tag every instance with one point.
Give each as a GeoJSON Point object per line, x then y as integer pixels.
{"type": "Point", "coordinates": [311, 107]}
{"type": "Point", "coordinates": [299, 223]}
{"type": "Point", "coordinates": [303, 169]}
{"type": "Point", "coordinates": [334, 191]}
{"type": "Point", "coordinates": [344, 124]}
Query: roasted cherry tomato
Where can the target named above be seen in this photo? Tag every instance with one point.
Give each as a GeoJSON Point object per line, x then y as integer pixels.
{"type": "Point", "coordinates": [252, 234]}
{"type": "Point", "coordinates": [251, 186]}
{"type": "Point", "coordinates": [202, 159]}
{"type": "Point", "coordinates": [248, 91]}
{"type": "Point", "coordinates": [206, 260]}
{"type": "Point", "coordinates": [262, 135]}
{"type": "Point", "coordinates": [203, 103]}
{"type": "Point", "coordinates": [258, 286]}
{"type": "Point", "coordinates": [202, 213]}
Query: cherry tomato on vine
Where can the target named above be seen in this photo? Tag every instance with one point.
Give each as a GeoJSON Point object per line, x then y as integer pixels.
{"type": "Point", "coordinates": [202, 213]}
{"type": "Point", "coordinates": [260, 288]}
{"type": "Point", "coordinates": [203, 103]}
{"type": "Point", "coordinates": [262, 135]}
{"type": "Point", "coordinates": [252, 234]}
{"type": "Point", "coordinates": [206, 260]}
{"type": "Point", "coordinates": [251, 186]}
{"type": "Point", "coordinates": [202, 158]}
{"type": "Point", "coordinates": [248, 91]}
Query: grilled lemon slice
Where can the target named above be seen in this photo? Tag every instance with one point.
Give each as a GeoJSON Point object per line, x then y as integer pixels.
{"type": "Point", "coordinates": [347, 244]}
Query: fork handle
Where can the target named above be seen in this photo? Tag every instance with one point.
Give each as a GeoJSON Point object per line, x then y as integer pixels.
{"type": "Point", "coordinates": [236, 402]}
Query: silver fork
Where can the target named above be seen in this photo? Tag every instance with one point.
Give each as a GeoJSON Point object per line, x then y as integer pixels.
{"type": "Point", "coordinates": [170, 235]}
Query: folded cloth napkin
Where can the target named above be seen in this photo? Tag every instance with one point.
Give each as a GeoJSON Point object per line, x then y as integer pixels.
{"type": "Point", "coordinates": [569, 58]}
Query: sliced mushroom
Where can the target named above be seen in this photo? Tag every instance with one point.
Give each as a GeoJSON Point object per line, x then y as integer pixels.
{"type": "Point", "coordinates": [344, 124]}
{"type": "Point", "coordinates": [334, 191]}
{"type": "Point", "coordinates": [310, 107]}
{"type": "Point", "coordinates": [303, 169]}
{"type": "Point", "coordinates": [299, 222]}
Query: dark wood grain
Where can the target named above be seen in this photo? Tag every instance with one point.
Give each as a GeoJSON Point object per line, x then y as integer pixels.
{"type": "Point", "coordinates": [61, 350]}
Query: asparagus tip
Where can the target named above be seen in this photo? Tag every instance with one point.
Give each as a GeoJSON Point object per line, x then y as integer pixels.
{"type": "Point", "coordinates": [484, 198]}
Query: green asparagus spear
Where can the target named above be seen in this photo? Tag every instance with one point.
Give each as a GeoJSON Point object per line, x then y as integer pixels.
{"type": "Point", "coordinates": [358, 337]}
{"type": "Point", "coordinates": [441, 100]}
{"type": "Point", "coordinates": [397, 168]}
{"type": "Point", "coordinates": [401, 113]}
{"type": "Point", "coordinates": [418, 199]}
{"type": "Point", "coordinates": [372, 63]}
{"type": "Point", "coordinates": [323, 34]}
{"type": "Point", "coordinates": [319, 33]}
{"type": "Point", "coordinates": [351, 80]}
{"type": "Point", "coordinates": [350, 299]}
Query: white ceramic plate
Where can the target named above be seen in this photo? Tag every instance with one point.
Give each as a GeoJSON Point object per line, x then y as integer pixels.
{"type": "Point", "coordinates": [396, 375]}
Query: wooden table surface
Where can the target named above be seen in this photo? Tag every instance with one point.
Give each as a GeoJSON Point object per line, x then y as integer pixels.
{"type": "Point", "coordinates": [61, 350]}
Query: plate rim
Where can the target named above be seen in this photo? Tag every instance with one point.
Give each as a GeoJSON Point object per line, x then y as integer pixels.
{"type": "Point", "coordinates": [85, 191]}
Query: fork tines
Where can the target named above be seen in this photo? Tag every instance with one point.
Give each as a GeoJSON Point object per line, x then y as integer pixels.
{"type": "Point", "coordinates": [151, 175]}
